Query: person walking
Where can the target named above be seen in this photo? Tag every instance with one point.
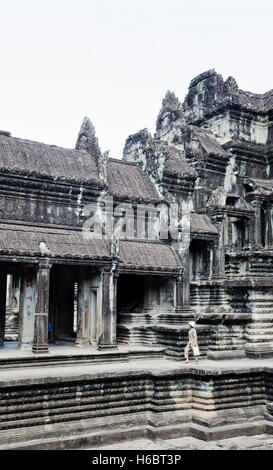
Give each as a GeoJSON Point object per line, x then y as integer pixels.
{"type": "Point", "coordinates": [192, 343]}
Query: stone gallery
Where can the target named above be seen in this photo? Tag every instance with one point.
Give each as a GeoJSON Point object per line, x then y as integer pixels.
{"type": "Point", "coordinates": [105, 261]}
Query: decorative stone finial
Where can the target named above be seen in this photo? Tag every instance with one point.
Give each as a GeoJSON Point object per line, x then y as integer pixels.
{"type": "Point", "coordinates": [103, 162]}
{"type": "Point", "coordinates": [171, 112]}
{"type": "Point", "coordinates": [230, 86]}
{"type": "Point", "coordinates": [87, 139]}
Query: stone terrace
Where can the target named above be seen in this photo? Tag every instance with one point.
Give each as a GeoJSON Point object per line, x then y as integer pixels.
{"type": "Point", "coordinates": [164, 402]}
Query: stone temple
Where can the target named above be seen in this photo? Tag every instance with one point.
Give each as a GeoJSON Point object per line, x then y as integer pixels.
{"type": "Point", "coordinates": [93, 328]}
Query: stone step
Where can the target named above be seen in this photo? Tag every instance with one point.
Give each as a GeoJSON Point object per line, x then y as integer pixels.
{"type": "Point", "coordinates": [84, 358]}
{"type": "Point", "coordinates": [75, 434]}
{"type": "Point", "coordinates": [259, 338]}
{"type": "Point", "coordinates": [94, 439]}
{"type": "Point", "coordinates": [259, 329]}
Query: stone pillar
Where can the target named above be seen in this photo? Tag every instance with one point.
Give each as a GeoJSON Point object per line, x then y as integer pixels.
{"type": "Point", "coordinates": [211, 258]}
{"type": "Point", "coordinates": [219, 248]}
{"type": "Point", "coordinates": [9, 290]}
{"type": "Point", "coordinates": [55, 285]}
{"type": "Point", "coordinates": [27, 307]}
{"type": "Point", "coordinates": [183, 290]}
{"type": "Point", "coordinates": [82, 311]}
{"type": "Point", "coordinates": [3, 293]}
{"type": "Point", "coordinates": [269, 237]}
{"type": "Point", "coordinates": [113, 300]}
{"type": "Point", "coordinates": [108, 338]}
{"type": "Point", "coordinates": [247, 224]}
{"type": "Point", "coordinates": [40, 340]}
{"type": "Point", "coordinates": [186, 279]}
{"type": "Point", "coordinates": [178, 293]}
{"type": "Point", "coordinates": [256, 232]}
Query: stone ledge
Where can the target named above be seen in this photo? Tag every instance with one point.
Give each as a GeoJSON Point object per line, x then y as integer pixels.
{"type": "Point", "coordinates": [144, 368]}
{"type": "Point", "coordinates": [259, 350]}
{"type": "Point", "coordinates": [89, 405]}
{"type": "Point", "coordinates": [218, 355]}
{"type": "Point", "coordinates": [73, 437]}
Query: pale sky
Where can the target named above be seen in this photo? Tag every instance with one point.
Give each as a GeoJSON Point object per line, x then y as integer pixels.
{"type": "Point", "coordinates": [114, 61]}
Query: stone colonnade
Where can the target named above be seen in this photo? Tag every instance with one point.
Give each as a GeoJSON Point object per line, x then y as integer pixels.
{"type": "Point", "coordinates": [97, 290]}
{"type": "Point", "coordinates": [105, 292]}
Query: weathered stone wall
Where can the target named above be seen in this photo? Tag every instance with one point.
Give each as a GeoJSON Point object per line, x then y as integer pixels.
{"type": "Point", "coordinates": [212, 404]}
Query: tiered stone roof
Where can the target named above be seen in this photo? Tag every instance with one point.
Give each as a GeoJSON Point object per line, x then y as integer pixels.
{"type": "Point", "coordinates": [26, 157]}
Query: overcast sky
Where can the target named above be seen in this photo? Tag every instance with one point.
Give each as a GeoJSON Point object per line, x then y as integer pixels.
{"type": "Point", "coordinates": [114, 61]}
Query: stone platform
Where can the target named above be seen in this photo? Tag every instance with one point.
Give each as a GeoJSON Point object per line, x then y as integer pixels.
{"type": "Point", "coordinates": [86, 405]}
{"type": "Point", "coordinates": [67, 354]}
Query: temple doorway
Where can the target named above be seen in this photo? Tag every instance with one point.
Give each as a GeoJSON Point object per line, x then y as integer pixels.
{"type": "Point", "coordinates": [9, 306]}
{"type": "Point", "coordinates": [62, 322]}
{"type": "Point", "coordinates": [130, 293]}
{"type": "Point", "coordinates": [12, 308]}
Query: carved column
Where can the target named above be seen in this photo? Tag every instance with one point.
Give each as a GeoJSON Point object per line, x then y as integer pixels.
{"type": "Point", "coordinates": [107, 338]}
{"type": "Point", "coordinates": [269, 238]}
{"type": "Point", "coordinates": [27, 307]}
{"type": "Point", "coordinates": [186, 279]}
{"type": "Point", "coordinates": [256, 226]}
{"type": "Point", "coordinates": [82, 314]}
{"type": "Point", "coordinates": [219, 248]}
{"type": "Point", "coordinates": [3, 291]}
{"type": "Point", "coordinates": [247, 224]}
{"type": "Point", "coordinates": [211, 259]}
{"type": "Point", "coordinates": [9, 289]}
{"type": "Point", "coordinates": [178, 293]}
{"type": "Point", "coordinates": [182, 289]}
{"type": "Point", "coordinates": [40, 340]}
{"type": "Point", "coordinates": [113, 301]}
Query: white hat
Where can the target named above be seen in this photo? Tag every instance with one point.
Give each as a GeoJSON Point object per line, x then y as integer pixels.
{"type": "Point", "coordinates": [192, 323]}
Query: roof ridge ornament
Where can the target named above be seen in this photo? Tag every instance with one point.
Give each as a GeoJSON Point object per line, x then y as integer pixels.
{"type": "Point", "coordinates": [88, 141]}
{"type": "Point", "coordinates": [171, 112]}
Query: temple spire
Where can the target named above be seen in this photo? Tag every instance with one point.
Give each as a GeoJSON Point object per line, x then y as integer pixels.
{"type": "Point", "coordinates": [171, 112]}
{"type": "Point", "coordinates": [87, 139]}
